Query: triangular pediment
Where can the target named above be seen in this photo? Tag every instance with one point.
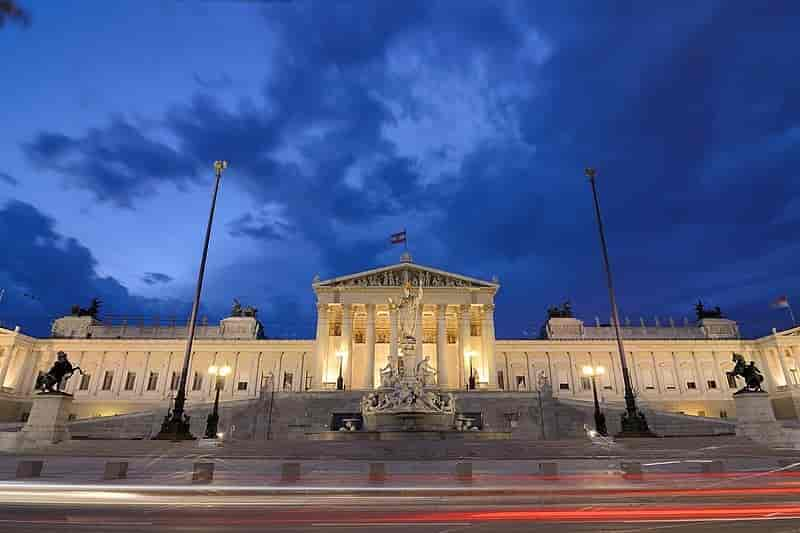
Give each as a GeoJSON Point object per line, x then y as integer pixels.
{"type": "Point", "coordinates": [396, 275]}
{"type": "Point", "coordinates": [791, 332]}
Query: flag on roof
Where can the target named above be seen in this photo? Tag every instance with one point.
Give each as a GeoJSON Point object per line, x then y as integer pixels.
{"type": "Point", "coordinates": [397, 238]}
{"type": "Point", "coordinates": [782, 301]}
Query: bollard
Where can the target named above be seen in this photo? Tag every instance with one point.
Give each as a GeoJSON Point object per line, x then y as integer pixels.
{"type": "Point", "coordinates": [714, 467]}
{"type": "Point", "coordinates": [548, 469]}
{"type": "Point", "coordinates": [464, 472]}
{"type": "Point", "coordinates": [290, 472]}
{"type": "Point", "coordinates": [377, 472]}
{"type": "Point", "coordinates": [203, 473]}
{"type": "Point", "coordinates": [29, 468]}
{"type": "Point", "coordinates": [116, 470]}
{"type": "Point", "coordinates": [631, 470]}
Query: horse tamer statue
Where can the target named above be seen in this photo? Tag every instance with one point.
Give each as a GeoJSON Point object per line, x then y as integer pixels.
{"type": "Point", "coordinates": [749, 372]}
{"type": "Point", "coordinates": [56, 378]}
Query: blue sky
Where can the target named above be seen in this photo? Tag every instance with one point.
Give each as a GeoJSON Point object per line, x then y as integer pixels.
{"type": "Point", "coordinates": [468, 123]}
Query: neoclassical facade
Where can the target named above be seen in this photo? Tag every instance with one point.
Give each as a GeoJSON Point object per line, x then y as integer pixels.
{"type": "Point", "coordinates": [133, 367]}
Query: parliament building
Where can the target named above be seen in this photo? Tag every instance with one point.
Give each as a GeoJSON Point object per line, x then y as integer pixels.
{"type": "Point", "coordinates": [130, 367]}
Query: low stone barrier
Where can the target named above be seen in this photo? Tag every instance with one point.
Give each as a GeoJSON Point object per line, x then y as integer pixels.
{"type": "Point", "coordinates": [377, 472]}
{"type": "Point", "coordinates": [464, 472]}
{"type": "Point", "coordinates": [290, 472]}
{"type": "Point", "coordinates": [29, 469]}
{"type": "Point", "coordinates": [203, 472]}
{"type": "Point", "coordinates": [116, 470]}
{"type": "Point", "coordinates": [548, 469]}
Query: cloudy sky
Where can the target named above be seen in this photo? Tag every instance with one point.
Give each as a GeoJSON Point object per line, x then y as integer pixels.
{"type": "Point", "coordinates": [467, 122]}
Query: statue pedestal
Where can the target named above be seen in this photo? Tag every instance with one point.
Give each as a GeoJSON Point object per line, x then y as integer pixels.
{"type": "Point", "coordinates": [47, 423]}
{"type": "Point", "coordinates": [755, 419]}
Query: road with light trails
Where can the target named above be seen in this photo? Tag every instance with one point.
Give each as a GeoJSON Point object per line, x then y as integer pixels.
{"type": "Point", "coordinates": [38, 507]}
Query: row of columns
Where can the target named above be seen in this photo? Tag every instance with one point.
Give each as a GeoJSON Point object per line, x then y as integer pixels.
{"type": "Point", "coordinates": [345, 348]}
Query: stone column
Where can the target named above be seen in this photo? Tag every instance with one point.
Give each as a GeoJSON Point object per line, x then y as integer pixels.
{"type": "Point", "coordinates": [346, 344]}
{"type": "Point", "coordinates": [321, 344]}
{"type": "Point", "coordinates": [655, 372]}
{"type": "Point", "coordinates": [761, 361]}
{"type": "Point", "coordinates": [5, 363]}
{"type": "Point", "coordinates": [145, 375]}
{"type": "Point", "coordinates": [369, 379]}
{"type": "Point", "coordinates": [676, 372]}
{"type": "Point", "coordinates": [487, 341]}
{"type": "Point", "coordinates": [441, 346]}
{"type": "Point", "coordinates": [701, 387]}
{"type": "Point", "coordinates": [464, 341]}
{"type": "Point", "coordinates": [419, 333]}
{"type": "Point", "coordinates": [723, 384]}
{"type": "Point", "coordinates": [392, 331]}
{"type": "Point", "coordinates": [785, 370]}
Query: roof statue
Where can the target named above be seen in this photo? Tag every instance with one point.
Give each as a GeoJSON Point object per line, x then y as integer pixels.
{"type": "Point", "coordinates": [561, 311]}
{"type": "Point", "coordinates": [702, 312]}
{"type": "Point", "coordinates": [238, 310]}
{"type": "Point", "coordinates": [91, 311]}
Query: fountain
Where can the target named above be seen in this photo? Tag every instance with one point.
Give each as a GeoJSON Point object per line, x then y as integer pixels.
{"type": "Point", "coordinates": [407, 399]}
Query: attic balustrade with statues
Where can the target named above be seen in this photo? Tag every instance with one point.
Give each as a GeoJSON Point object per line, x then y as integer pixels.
{"type": "Point", "coordinates": [132, 366]}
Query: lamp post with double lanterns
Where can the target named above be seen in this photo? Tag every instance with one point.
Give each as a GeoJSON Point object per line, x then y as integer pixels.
{"type": "Point", "coordinates": [472, 381]}
{"type": "Point", "coordinates": [633, 421]}
{"type": "Point", "coordinates": [340, 379]}
{"type": "Point", "coordinates": [212, 422]}
{"type": "Point", "coordinates": [599, 417]}
{"type": "Point", "coordinates": [176, 424]}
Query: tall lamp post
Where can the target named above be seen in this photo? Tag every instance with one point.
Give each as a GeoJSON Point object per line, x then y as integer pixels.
{"type": "Point", "coordinates": [599, 417]}
{"type": "Point", "coordinates": [212, 422]}
{"type": "Point", "coordinates": [472, 380]}
{"type": "Point", "coordinates": [634, 423]}
{"type": "Point", "coordinates": [176, 424]}
{"type": "Point", "coordinates": [340, 379]}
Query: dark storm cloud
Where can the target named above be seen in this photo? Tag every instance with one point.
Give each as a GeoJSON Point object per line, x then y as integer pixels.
{"type": "Point", "coordinates": [118, 164]}
{"type": "Point", "coordinates": [8, 179]}
{"type": "Point", "coordinates": [57, 271]}
{"type": "Point", "coordinates": [155, 278]}
{"type": "Point", "coordinates": [691, 114]}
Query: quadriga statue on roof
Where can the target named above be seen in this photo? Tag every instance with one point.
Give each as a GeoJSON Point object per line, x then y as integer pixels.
{"type": "Point", "coordinates": [91, 311]}
{"type": "Point", "coordinates": [239, 310]}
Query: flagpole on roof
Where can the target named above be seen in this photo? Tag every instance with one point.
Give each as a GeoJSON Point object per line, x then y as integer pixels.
{"type": "Point", "coordinates": [791, 313]}
{"type": "Point", "coordinates": [405, 240]}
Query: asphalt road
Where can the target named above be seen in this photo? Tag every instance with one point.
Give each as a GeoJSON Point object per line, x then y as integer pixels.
{"type": "Point", "coordinates": [77, 508]}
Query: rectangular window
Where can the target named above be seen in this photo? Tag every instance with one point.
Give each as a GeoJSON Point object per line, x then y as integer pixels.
{"type": "Point", "coordinates": [152, 381]}
{"type": "Point", "coordinates": [174, 381]}
{"type": "Point", "coordinates": [650, 387]}
{"type": "Point", "coordinates": [691, 385]}
{"type": "Point", "coordinates": [723, 414]}
{"type": "Point", "coordinates": [288, 379]}
{"type": "Point", "coordinates": [711, 384]}
{"type": "Point", "coordinates": [130, 380]}
{"type": "Point", "coordinates": [197, 383]}
{"type": "Point", "coordinates": [586, 383]}
{"type": "Point", "coordinates": [608, 387]}
{"type": "Point", "coordinates": [85, 379]}
{"type": "Point", "coordinates": [563, 386]}
{"type": "Point", "coordinates": [108, 379]}
{"type": "Point", "coordinates": [731, 381]}
{"type": "Point", "coordinates": [521, 383]}
{"type": "Point", "coordinates": [242, 385]}
{"type": "Point", "coordinates": [501, 382]}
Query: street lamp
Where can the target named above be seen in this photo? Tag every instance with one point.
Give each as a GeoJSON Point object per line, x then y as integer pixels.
{"type": "Point", "coordinates": [471, 382]}
{"type": "Point", "coordinates": [599, 418]}
{"type": "Point", "coordinates": [212, 422]}
{"type": "Point", "coordinates": [634, 423]}
{"type": "Point", "coordinates": [340, 379]}
{"type": "Point", "coordinates": [176, 424]}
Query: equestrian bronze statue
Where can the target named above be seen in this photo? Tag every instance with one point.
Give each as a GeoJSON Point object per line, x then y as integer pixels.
{"type": "Point", "coordinates": [56, 378]}
{"type": "Point", "coordinates": [749, 372]}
